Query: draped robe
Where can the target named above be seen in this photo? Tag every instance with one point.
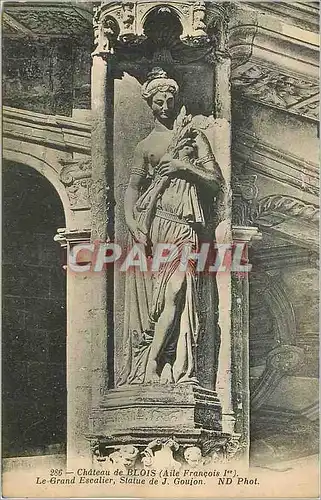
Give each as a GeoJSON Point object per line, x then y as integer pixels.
{"type": "Point", "coordinates": [171, 211]}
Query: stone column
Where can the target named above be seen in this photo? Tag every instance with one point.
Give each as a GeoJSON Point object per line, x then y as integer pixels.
{"type": "Point", "coordinates": [78, 352]}
{"type": "Point", "coordinates": [222, 111]}
{"type": "Point", "coordinates": [240, 339]}
{"type": "Point", "coordinates": [102, 223]}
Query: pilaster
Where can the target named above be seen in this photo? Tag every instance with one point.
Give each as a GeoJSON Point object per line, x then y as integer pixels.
{"type": "Point", "coordinates": [244, 235]}
{"type": "Point", "coordinates": [79, 365]}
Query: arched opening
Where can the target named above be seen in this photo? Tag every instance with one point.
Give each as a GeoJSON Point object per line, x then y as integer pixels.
{"type": "Point", "coordinates": [34, 316]}
{"type": "Point", "coordinates": [163, 29]}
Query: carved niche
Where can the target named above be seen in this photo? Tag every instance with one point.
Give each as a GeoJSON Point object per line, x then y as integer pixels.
{"type": "Point", "coordinates": [177, 30]}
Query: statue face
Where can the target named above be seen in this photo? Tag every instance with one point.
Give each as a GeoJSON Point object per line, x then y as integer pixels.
{"type": "Point", "coordinates": [129, 455]}
{"type": "Point", "coordinates": [198, 16]}
{"type": "Point", "coordinates": [163, 105]}
{"type": "Point", "coordinates": [193, 456]}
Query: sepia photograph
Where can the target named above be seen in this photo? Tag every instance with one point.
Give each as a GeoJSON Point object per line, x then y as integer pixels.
{"type": "Point", "coordinates": [160, 249]}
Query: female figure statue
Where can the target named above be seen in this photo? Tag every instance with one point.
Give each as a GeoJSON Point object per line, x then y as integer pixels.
{"type": "Point", "coordinates": [171, 191]}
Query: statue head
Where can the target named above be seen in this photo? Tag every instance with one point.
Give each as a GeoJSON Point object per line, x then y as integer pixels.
{"type": "Point", "coordinates": [193, 456]}
{"type": "Point", "coordinates": [160, 91]}
{"type": "Point", "coordinates": [125, 456]}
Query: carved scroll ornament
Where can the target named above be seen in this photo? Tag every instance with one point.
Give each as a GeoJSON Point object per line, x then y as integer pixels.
{"type": "Point", "coordinates": [273, 209]}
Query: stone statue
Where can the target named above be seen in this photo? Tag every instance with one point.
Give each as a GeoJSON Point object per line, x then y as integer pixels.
{"type": "Point", "coordinates": [169, 199]}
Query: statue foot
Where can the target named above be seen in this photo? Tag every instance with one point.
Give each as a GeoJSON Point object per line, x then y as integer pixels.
{"type": "Point", "coordinates": [151, 376]}
{"type": "Point", "coordinates": [167, 375]}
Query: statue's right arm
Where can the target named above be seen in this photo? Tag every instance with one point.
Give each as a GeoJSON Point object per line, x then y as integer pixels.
{"type": "Point", "coordinates": [138, 175]}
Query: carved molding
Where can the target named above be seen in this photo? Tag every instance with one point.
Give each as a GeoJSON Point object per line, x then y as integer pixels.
{"type": "Point", "coordinates": [281, 361]}
{"type": "Point", "coordinates": [307, 107]}
{"type": "Point", "coordinates": [11, 25]}
{"type": "Point", "coordinates": [270, 295]}
{"type": "Point", "coordinates": [272, 210]}
{"type": "Point", "coordinates": [281, 90]}
{"type": "Point", "coordinates": [277, 298]}
{"type": "Point", "coordinates": [276, 414]}
{"type": "Point", "coordinates": [57, 132]}
{"type": "Point", "coordinates": [274, 62]}
{"type": "Point", "coordinates": [277, 258]}
{"type": "Point", "coordinates": [253, 153]}
{"type": "Point", "coordinates": [51, 20]}
{"type": "Point", "coordinates": [76, 177]}
{"type": "Point", "coordinates": [255, 38]}
{"type": "Point", "coordinates": [304, 15]}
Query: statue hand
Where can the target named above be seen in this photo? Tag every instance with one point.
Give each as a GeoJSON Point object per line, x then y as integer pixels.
{"type": "Point", "coordinates": [138, 235]}
{"type": "Point", "coordinates": [168, 167]}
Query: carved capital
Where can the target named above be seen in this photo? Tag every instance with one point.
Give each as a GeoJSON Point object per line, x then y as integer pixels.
{"type": "Point", "coordinates": [72, 237]}
{"type": "Point", "coordinates": [106, 32]}
{"type": "Point", "coordinates": [247, 234]}
{"type": "Point", "coordinates": [127, 17]}
{"type": "Point", "coordinates": [76, 177]}
{"type": "Point", "coordinates": [199, 14]}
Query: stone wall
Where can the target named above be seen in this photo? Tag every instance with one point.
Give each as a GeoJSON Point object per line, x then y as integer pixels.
{"type": "Point", "coordinates": [47, 76]}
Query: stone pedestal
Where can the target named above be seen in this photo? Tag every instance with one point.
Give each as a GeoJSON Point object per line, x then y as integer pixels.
{"type": "Point", "coordinates": [138, 414]}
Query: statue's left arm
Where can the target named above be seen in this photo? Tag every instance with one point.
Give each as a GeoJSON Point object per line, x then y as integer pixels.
{"type": "Point", "coordinates": [205, 168]}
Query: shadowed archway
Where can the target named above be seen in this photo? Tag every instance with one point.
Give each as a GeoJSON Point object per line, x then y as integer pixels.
{"type": "Point", "coordinates": [34, 316]}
